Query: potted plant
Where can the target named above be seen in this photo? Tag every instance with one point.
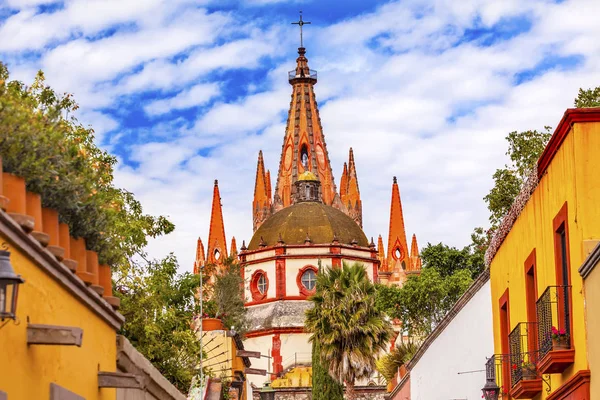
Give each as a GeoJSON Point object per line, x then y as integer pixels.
{"type": "Point", "coordinates": [529, 370]}
{"type": "Point", "coordinates": [560, 339]}
{"type": "Point", "coordinates": [211, 319]}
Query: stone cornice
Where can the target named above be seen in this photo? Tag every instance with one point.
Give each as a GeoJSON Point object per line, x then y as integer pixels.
{"type": "Point", "coordinates": [590, 262]}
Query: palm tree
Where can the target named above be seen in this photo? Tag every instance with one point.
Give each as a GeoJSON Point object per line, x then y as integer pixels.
{"type": "Point", "coordinates": [346, 324]}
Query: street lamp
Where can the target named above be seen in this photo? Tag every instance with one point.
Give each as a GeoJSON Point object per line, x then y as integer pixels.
{"type": "Point", "coordinates": [9, 287]}
{"type": "Point", "coordinates": [267, 392]}
{"type": "Point", "coordinates": [490, 390]}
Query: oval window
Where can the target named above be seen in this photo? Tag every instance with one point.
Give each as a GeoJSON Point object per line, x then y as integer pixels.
{"type": "Point", "coordinates": [261, 284]}
{"type": "Point", "coordinates": [309, 279]}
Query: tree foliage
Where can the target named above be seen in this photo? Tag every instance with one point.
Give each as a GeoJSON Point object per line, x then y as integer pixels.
{"type": "Point", "coordinates": [588, 98]}
{"type": "Point", "coordinates": [324, 387]}
{"type": "Point", "coordinates": [448, 260]}
{"type": "Point", "coordinates": [345, 322]}
{"type": "Point", "coordinates": [423, 300]}
{"type": "Point", "coordinates": [228, 297]}
{"type": "Point", "coordinates": [388, 364]}
{"type": "Point", "coordinates": [524, 149]}
{"type": "Point", "coordinates": [43, 142]}
{"type": "Point", "coordinates": [159, 306]}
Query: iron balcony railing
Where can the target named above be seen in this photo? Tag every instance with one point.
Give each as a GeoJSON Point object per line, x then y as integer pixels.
{"type": "Point", "coordinates": [554, 315]}
{"type": "Point", "coordinates": [523, 354]}
{"type": "Point", "coordinates": [302, 74]}
{"type": "Point", "coordinates": [494, 371]}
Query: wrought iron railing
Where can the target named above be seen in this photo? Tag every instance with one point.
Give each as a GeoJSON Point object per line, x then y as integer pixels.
{"type": "Point", "coordinates": [553, 314]}
{"type": "Point", "coordinates": [523, 354]}
{"type": "Point", "coordinates": [494, 371]}
{"type": "Point", "coordinates": [311, 74]}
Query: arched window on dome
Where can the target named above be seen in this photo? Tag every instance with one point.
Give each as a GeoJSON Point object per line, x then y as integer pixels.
{"type": "Point", "coordinates": [259, 285]}
{"type": "Point", "coordinates": [307, 280]}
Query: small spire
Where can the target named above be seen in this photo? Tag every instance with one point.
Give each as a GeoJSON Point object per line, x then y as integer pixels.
{"type": "Point", "coordinates": [344, 183]}
{"type": "Point", "coordinates": [354, 242]}
{"type": "Point", "coordinates": [372, 244]}
{"type": "Point", "coordinates": [243, 248]}
{"type": "Point", "coordinates": [307, 239]}
{"type": "Point", "coordinates": [233, 251]}
{"type": "Point", "coordinates": [335, 238]}
{"type": "Point", "coordinates": [262, 243]}
{"type": "Point", "coordinates": [280, 240]}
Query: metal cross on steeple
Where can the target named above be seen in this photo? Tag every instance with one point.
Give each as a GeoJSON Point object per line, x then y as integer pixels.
{"type": "Point", "coordinates": [300, 23]}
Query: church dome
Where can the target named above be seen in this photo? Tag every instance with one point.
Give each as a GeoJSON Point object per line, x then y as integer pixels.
{"type": "Point", "coordinates": [321, 222]}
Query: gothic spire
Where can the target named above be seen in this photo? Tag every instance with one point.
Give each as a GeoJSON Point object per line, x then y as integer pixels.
{"type": "Point", "coordinates": [200, 260]}
{"type": "Point", "coordinates": [415, 260]}
{"type": "Point", "coordinates": [261, 205]}
{"type": "Point", "coordinates": [217, 245]}
{"type": "Point", "coordinates": [352, 201]}
{"type": "Point", "coordinates": [304, 147]}
{"type": "Point", "coordinates": [397, 251]}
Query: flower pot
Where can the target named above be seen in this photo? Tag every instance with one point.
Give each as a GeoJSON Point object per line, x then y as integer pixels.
{"type": "Point", "coordinates": [78, 253]}
{"type": "Point", "coordinates": [14, 188]}
{"type": "Point", "coordinates": [33, 206]}
{"type": "Point", "coordinates": [93, 268]}
{"type": "Point", "coordinates": [3, 199]}
{"type": "Point", "coordinates": [560, 344]}
{"type": "Point", "coordinates": [64, 241]}
{"type": "Point", "coordinates": [212, 324]}
{"type": "Point", "coordinates": [50, 226]}
{"type": "Point", "coordinates": [529, 374]}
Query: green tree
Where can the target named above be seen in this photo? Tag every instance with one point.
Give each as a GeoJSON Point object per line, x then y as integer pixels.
{"type": "Point", "coordinates": [345, 322]}
{"type": "Point", "coordinates": [159, 306]}
{"type": "Point", "coordinates": [524, 149]}
{"type": "Point", "coordinates": [324, 387]}
{"type": "Point", "coordinates": [43, 142]}
{"type": "Point", "coordinates": [448, 260]}
{"type": "Point", "coordinates": [588, 98]}
{"type": "Point", "coordinates": [228, 297]}
{"type": "Point", "coordinates": [425, 299]}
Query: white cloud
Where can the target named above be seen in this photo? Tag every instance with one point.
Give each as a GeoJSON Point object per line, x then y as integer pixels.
{"type": "Point", "coordinates": [195, 96]}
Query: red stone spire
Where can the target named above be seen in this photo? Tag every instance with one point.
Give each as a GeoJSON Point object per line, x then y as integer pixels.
{"type": "Point", "coordinates": [381, 254]}
{"type": "Point", "coordinates": [415, 264]}
{"type": "Point", "coordinates": [261, 206]}
{"type": "Point", "coordinates": [304, 145]}
{"type": "Point", "coordinates": [200, 260]}
{"type": "Point", "coordinates": [233, 252]}
{"type": "Point", "coordinates": [344, 183]}
{"type": "Point", "coordinates": [397, 251]}
{"type": "Point", "coordinates": [352, 200]}
{"type": "Point", "coordinates": [217, 245]}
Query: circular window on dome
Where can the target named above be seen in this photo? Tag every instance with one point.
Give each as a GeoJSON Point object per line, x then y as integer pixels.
{"type": "Point", "coordinates": [259, 285]}
{"type": "Point", "coordinates": [307, 280]}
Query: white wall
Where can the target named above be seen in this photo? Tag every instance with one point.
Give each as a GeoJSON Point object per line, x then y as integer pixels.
{"type": "Point", "coordinates": [463, 346]}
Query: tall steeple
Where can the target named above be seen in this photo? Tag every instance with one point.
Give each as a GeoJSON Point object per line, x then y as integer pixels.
{"type": "Point", "coordinates": [351, 198]}
{"type": "Point", "coordinates": [200, 260]}
{"type": "Point", "coordinates": [304, 147]}
{"type": "Point", "coordinates": [261, 205]}
{"type": "Point", "coordinates": [397, 251]}
{"type": "Point", "coordinates": [217, 245]}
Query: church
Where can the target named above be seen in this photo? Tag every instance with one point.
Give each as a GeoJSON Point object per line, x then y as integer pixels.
{"type": "Point", "coordinates": [305, 222]}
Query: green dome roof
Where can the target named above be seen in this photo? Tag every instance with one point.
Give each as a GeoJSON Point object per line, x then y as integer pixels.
{"type": "Point", "coordinates": [320, 221]}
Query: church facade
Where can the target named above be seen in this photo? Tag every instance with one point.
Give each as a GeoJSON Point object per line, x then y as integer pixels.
{"type": "Point", "coordinates": [302, 224]}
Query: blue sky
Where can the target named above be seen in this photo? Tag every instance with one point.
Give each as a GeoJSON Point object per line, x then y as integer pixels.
{"type": "Point", "coordinates": [185, 92]}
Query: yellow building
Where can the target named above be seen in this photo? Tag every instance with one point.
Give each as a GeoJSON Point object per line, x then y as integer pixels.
{"type": "Point", "coordinates": [61, 343]}
{"type": "Point", "coordinates": [225, 358]}
{"type": "Point", "coordinates": [591, 282]}
{"type": "Point", "coordinates": [537, 293]}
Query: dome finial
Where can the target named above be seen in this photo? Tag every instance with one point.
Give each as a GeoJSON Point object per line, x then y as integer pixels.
{"type": "Point", "coordinates": [280, 240]}
{"type": "Point", "coordinates": [301, 23]}
{"type": "Point", "coordinates": [262, 243]}
{"type": "Point", "coordinates": [307, 240]}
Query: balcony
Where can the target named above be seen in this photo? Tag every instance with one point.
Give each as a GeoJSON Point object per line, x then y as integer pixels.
{"type": "Point", "coordinates": [311, 75]}
{"type": "Point", "coordinates": [525, 378]}
{"type": "Point", "coordinates": [553, 308]}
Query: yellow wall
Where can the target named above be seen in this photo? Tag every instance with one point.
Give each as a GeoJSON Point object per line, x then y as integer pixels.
{"type": "Point", "coordinates": [215, 343]}
{"type": "Point", "coordinates": [592, 304]}
{"type": "Point", "coordinates": [26, 372]}
{"type": "Point", "coordinates": [573, 177]}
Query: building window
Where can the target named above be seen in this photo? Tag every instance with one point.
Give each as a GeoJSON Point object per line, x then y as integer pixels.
{"type": "Point", "coordinates": [259, 285]}
{"type": "Point", "coordinates": [307, 280]}
{"type": "Point", "coordinates": [562, 262]}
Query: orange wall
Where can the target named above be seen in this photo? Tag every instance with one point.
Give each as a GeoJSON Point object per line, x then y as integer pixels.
{"type": "Point", "coordinates": [26, 372]}
{"type": "Point", "coordinates": [571, 177]}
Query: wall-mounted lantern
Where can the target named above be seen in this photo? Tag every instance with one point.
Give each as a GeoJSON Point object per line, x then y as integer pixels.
{"type": "Point", "coordinates": [267, 392]}
{"type": "Point", "coordinates": [491, 391]}
{"type": "Point", "coordinates": [9, 287]}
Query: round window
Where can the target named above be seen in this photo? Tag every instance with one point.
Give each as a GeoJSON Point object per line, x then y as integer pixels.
{"type": "Point", "coordinates": [261, 284]}
{"type": "Point", "coordinates": [309, 279]}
